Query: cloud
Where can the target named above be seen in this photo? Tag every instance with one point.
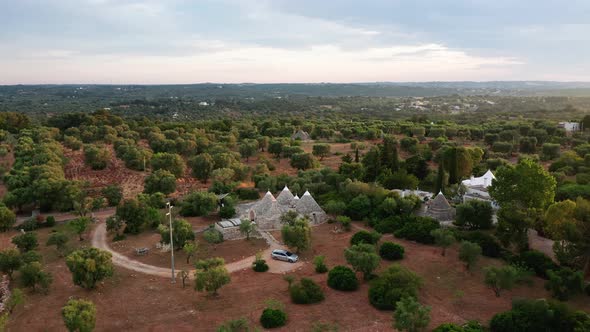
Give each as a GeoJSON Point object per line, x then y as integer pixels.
{"type": "Point", "coordinates": [183, 41]}
{"type": "Point", "coordinates": [232, 63]}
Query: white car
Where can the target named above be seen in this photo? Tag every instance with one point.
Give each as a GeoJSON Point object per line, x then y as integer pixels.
{"type": "Point", "coordinates": [284, 255]}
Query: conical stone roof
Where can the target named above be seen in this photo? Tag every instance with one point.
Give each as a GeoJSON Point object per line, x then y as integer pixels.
{"type": "Point", "coordinates": [264, 204]}
{"type": "Point", "coordinates": [285, 196]}
{"type": "Point", "coordinates": [440, 203]}
{"type": "Point", "coordinates": [307, 205]}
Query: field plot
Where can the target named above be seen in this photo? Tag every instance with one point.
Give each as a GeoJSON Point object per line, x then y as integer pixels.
{"type": "Point", "coordinates": [130, 181]}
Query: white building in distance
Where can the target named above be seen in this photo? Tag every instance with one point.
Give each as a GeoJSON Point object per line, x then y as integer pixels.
{"type": "Point", "coordinates": [477, 188]}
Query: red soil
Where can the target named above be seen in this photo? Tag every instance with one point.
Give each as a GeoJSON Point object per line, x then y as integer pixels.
{"type": "Point", "coordinates": [131, 301]}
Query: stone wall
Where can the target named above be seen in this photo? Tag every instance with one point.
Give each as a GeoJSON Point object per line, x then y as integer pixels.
{"type": "Point", "coordinates": [233, 233]}
{"type": "Point", "coordinates": [4, 293]}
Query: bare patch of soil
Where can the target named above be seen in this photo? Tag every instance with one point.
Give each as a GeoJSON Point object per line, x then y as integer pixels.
{"type": "Point", "coordinates": [115, 173]}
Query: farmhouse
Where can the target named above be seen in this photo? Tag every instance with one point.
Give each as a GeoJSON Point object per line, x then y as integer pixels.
{"type": "Point", "coordinates": [477, 188]}
{"type": "Point", "coordinates": [267, 212]}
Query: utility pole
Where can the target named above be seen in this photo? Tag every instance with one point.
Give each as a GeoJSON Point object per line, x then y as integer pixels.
{"type": "Point", "coordinates": [169, 214]}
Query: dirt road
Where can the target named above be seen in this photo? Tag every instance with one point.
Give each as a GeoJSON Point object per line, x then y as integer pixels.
{"type": "Point", "coordinates": [99, 240]}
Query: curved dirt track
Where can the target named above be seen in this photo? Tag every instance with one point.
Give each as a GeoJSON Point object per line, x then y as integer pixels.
{"type": "Point", "coordinates": [99, 240]}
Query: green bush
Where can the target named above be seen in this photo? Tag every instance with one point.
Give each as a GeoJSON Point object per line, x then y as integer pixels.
{"type": "Point", "coordinates": [260, 265]}
{"type": "Point", "coordinates": [448, 327]}
{"type": "Point", "coordinates": [50, 221]}
{"type": "Point", "coordinates": [212, 235]}
{"type": "Point", "coordinates": [342, 278]}
{"type": "Point", "coordinates": [345, 222]}
{"type": "Point", "coordinates": [418, 229]}
{"type": "Point", "coordinates": [388, 225]}
{"type": "Point", "coordinates": [536, 261]}
{"type": "Point", "coordinates": [365, 237]}
{"type": "Point", "coordinates": [564, 282]}
{"type": "Point", "coordinates": [320, 264]}
{"type": "Point", "coordinates": [539, 315]}
{"type": "Point", "coordinates": [490, 246]}
{"type": "Point", "coordinates": [392, 285]}
{"type": "Point", "coordinates": [29, 225]}
{"type": "Point", "coordinates": [306, 291]}
{"type": "Point", "coordinates": [26, 241]}
{"type": "Point", "coordinates": [247, 194]}
{"type": "Point", "coordinates": [272, 318]}
{"type": "Point", "coordinates": [391, 251]}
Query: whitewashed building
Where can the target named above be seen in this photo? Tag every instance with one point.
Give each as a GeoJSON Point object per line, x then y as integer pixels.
{"type": "Point", "coordinates": [477, 188]}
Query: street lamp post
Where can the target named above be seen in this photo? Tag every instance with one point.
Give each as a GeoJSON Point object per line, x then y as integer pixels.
{"type": "Point", "coordinates": [169, 214]}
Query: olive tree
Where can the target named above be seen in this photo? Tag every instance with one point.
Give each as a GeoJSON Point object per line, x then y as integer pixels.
{"type": "Point", "coordinates": [79, 315]}
{"type": "Point", "coordinates": [410, 315]}
{"type": "Point", "coordinates": [7, 218]}
{"type": "Point", "coordinates": [89, 266]}
{"type": "Point", "coordinates": [443, 238]}
{"type": "Point", "coordinates": [469, 253]}
{"type": "Point", "coordinates": [363, 258]}
{"type": "Point", "coordinates": [211, 275]}
{"type": "Point", "coordinates": [298, 235]}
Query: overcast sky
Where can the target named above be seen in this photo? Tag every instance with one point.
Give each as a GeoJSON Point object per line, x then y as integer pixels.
{"type": "Point", "coordinates": [182, 41]}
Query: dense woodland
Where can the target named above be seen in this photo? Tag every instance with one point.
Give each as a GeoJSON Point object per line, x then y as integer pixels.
{"type": "Point", "coordinates": [542, 183]}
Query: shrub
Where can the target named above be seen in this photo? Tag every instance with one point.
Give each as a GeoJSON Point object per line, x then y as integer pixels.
{"type": "Point", "coordinates": [235, 325]}
{"type": "Point", "coordinates": [26, 242]}
{"type": "Point", "coordinates": [259, 264]}
{"type": "Point", "coordinates": [29, 225]}
{"type": "Point", "coordinates": [392, 285]}
{"type": "Point", "coordinates": [564, 282]}
{"type": "Point", "coordinates": [345, 222]}
{"type": "Point", "coordinates": [587, 289]}
{"type": "Point", "coordinates": [418, 229]}
{"type": "Point", "coordinates": [306, 292]}
{"type": "Point", "coordinates": [388, 225]}
{"type": "Point", "coordinates": [50, 221]}
{"type": "Point", "coordinates": [365, 237]}
{"type": "Point", "coordinates": [212, 235]}
{"type": "Point", "coordinates": [342, 278]}
{"type": "Point", "coordinates": [272, 318]}
{"type": "Point", "coordinates": [320, 264]}
{"type": "Point", "coordinates": [490, 247]}
{"type": "Point", "coordinates": [536, 261]}
{"type": "Point", "coordinates": [539, 315]}
{"type": "Point", "coordinates": [448, 327]}
{"type": "Point", "coordinates": [247, 194]}
{"type": "Point", "coordinates": [391, 251]}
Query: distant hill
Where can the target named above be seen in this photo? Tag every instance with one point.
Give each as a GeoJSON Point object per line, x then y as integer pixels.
{"type": "Point", "coordinates": [250, 90]}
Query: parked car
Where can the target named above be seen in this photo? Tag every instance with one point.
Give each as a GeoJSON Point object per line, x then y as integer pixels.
{"type": "Point", "coordinates": [284, 255]}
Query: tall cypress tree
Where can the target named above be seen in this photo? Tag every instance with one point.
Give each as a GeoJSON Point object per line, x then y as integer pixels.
{"type": "Point", "coordinates": [440, 179]}
{"type": "Point", "coordinates": [372, 163]}
{"type": "Point", "coordinates": [389, 156]}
